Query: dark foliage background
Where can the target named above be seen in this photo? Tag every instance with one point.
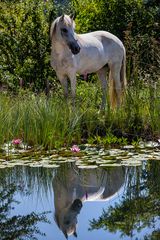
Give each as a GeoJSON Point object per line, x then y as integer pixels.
{"type": "Point", "coordinates": [25, 43]}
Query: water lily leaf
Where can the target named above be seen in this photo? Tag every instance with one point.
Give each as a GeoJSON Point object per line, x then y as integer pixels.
{"type": "Point", "coordinates": [9, 165]}
{"type": "Point", "coordinates": [116, 152]}
{"type": "Point", "coordinates": [79, 162]}
{"type": "Point", "coordinates": [110, 165]}
{"type": "Point", "coordinates": [87, 166]}
{"type": "Point", "coordinates": [154, 158]}
{"type": "Point", "coordinates": [151, 144]}
{"type": "Point", "coordinates": [130, 153]}
{"type": "Point", "coordinates": [131, 163]}
{"type": "Point", "coordinates": [35, 165]}
{"type": "Point", "coordinates": [128, 147]}
{"type": "Point", "coordinates": [106, 162]}
{"type": "Point", "coordinates": [50, 166]}
{"type": "Point", "coordinates": [18, 164]}
{"type": "Point", "coordinates": [123, 157]}
{"type": "Point", "coordinates": [2, 166]}
{"type": "Point", "coordinates": [71, 160]}
{"type": "Point", "coordinates": [109, 158]}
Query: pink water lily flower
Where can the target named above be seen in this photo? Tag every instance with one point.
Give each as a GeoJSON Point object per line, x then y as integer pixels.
{"type": "Point", "coordinates": [75, 148]}
{"type": "Point", "coordinates": [16, 141]}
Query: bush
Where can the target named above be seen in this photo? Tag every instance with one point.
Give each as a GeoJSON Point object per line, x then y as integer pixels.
{"type": "Point", "coordinates": [135, 22]}
{"type": "Point", "coordinates": [25, 45]}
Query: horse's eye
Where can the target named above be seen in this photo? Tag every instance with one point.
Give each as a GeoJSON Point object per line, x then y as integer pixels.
{"type": "Point", "coordinates": [64, 30]}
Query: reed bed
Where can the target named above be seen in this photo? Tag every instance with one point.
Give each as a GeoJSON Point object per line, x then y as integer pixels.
{"type": "Point", "coordinates": [53, 122]}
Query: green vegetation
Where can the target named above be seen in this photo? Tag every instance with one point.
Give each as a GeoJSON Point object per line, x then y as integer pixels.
{"type": "Point", "coordinates": [25, 73]}
{"type": "Point", "coordinates": [139, 207]}
{"type": "Point", "coordinates": [19, 226]}
{"type": "Point", "coordinates": [25, 44]}
{"type": "Point", "coordinates": [53, 123]}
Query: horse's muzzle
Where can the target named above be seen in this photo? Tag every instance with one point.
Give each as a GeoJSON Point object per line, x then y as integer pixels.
{"type": "Point", "coordinates": [75, 48]}
{"type": "Point", "coordinates": [76, 205]}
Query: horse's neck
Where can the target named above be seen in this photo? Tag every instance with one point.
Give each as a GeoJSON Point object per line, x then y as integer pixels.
{"type": "Point", "coordinates": [63, 196]}
{"type": "Point", "coordinates": [59, 49]}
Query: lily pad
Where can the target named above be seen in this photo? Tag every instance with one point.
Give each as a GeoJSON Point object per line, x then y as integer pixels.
{"type": "Point", "coordinates": [87, 166]}
{"type": "Point", "coordinates": [131, 163]}
{"type": "Point", "coordinates": [110, 165]}
{"type": "Point", "coordinates": [2, 166]}
{"type": "Point", "coordinates": [50, 166]}
{"type": "Point", "coordinates": [128, 147]}
{"type": "Point", "coordinates": [35, 165]}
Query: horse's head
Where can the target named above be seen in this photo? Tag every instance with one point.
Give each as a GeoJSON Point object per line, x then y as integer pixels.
{"type": "Point", "coordinates": [67, 218]}
{"type": "Point", "coordinates": [63, 31]}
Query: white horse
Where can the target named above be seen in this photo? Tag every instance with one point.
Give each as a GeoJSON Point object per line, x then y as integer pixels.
{"type": "Point", "coordinates": [88, 53]}
{"type": "Point", "coordinates": [73, 187]}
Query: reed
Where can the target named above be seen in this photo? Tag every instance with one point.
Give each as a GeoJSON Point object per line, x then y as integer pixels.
{"type": "Point", "coordinates": [53, 122]}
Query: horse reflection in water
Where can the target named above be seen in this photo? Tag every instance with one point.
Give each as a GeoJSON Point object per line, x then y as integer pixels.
{"type": "Point", "coordinates": [73, 187]}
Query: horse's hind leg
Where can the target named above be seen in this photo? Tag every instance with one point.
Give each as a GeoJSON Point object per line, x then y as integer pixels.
{"type": "Point", "coordinates": [102, 74]}
{"type": "Point", "coordinates": [115, 84]}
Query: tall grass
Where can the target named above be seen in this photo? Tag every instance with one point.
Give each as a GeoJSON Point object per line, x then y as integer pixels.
{"type": "Point", "coordinates": [53, 122]}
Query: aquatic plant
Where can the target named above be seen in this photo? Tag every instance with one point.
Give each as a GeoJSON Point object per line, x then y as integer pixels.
{"type": "Point", "coordinates": [75, 148]}
{"type": "Point", "coordinates": [52, 122]}
{"type": "Point", "coordinates": [16, 141]}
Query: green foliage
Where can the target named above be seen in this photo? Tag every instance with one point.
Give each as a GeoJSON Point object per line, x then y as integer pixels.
{"type": "Point", "coordinates": [136, 23]}
{"type": "Point", "coordinates": [25, 53]}
{"type": "Point", "coordinates": [53, 122]}
{"type": "Point", "coordinates": [17, 227]}
{"type": "Point", "coordinates": [25, 45]}
{"type": "Point", "coordinates": [139, 206]}
{"type": "Point", "coordinates": [108, 141]}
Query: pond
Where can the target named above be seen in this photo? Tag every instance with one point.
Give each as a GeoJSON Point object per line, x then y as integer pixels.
{"type": "Point", "coordinates": [67, 201]}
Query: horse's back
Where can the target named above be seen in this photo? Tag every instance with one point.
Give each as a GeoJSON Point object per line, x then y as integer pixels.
{"type": "Point", "coordinates": [97, 49]}
{"type": "Point", "coordinates": [102, 36]}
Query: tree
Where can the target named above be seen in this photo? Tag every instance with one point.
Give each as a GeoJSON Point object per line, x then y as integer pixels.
{"type": "Point", "coordinates": [17, 227]}
{"type": "Point", "coordinates": [140, 206]}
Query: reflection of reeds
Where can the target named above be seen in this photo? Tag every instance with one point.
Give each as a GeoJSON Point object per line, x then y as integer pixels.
{"type": "Point", "coordinates": [38, 180]}
{"type": "Point", "coordinates": [53, 123]}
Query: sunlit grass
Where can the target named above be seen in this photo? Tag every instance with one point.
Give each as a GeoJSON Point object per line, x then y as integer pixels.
{"type": "Point", "coordinates": [53, 122]}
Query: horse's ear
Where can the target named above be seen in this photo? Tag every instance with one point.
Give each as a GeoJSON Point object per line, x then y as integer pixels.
{"type": "Point", "coordinates": [65, 234]}
{"type": "Point", "coordinates": [72, 16]}
{"type": "Point", "coordinates": [56, 219]}
{"type": "Point", "coordinates": [62, 18]}
{"type": "Point", "coordinates": [75, 234]}
{"type": "Point", "coordinates": [53, 29]}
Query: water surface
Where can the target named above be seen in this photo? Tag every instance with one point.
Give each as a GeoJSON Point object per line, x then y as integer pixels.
{"type": "Point", "coordinates": [118, 202]}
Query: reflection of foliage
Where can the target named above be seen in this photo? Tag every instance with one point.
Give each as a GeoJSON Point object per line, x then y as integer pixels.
{"type": "Point", "coordinates": [155, 236]}
{"type": "Point", "coordinates": [139, 208]}
{"type": "Point", "coordinates": [17, 227]}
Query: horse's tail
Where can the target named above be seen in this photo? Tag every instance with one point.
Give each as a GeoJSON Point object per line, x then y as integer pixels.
{"type": "Point", "coordinates": [123, 80]}
{"type": "Point", "coordinates": [112, 91]}
{"type": "Point", "coordinates": [123, 73]}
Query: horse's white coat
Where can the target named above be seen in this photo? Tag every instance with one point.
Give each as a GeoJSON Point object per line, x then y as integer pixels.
{"type": "Point", "coordinates": [86, 185]}
{"type": "Point", "coordinates": [87, 53]}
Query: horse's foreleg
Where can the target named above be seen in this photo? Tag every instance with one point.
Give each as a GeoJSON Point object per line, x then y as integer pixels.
{"type": "Point", "coordinates": [72, 78]}
{"type": "Point", "coordinates": [64, 82]}
{"type": "Point", "coordinates": [102, 74]}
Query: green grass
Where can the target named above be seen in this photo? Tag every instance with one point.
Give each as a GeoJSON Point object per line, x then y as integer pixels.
{"type": "Point", "coordinates": [53, 123]}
